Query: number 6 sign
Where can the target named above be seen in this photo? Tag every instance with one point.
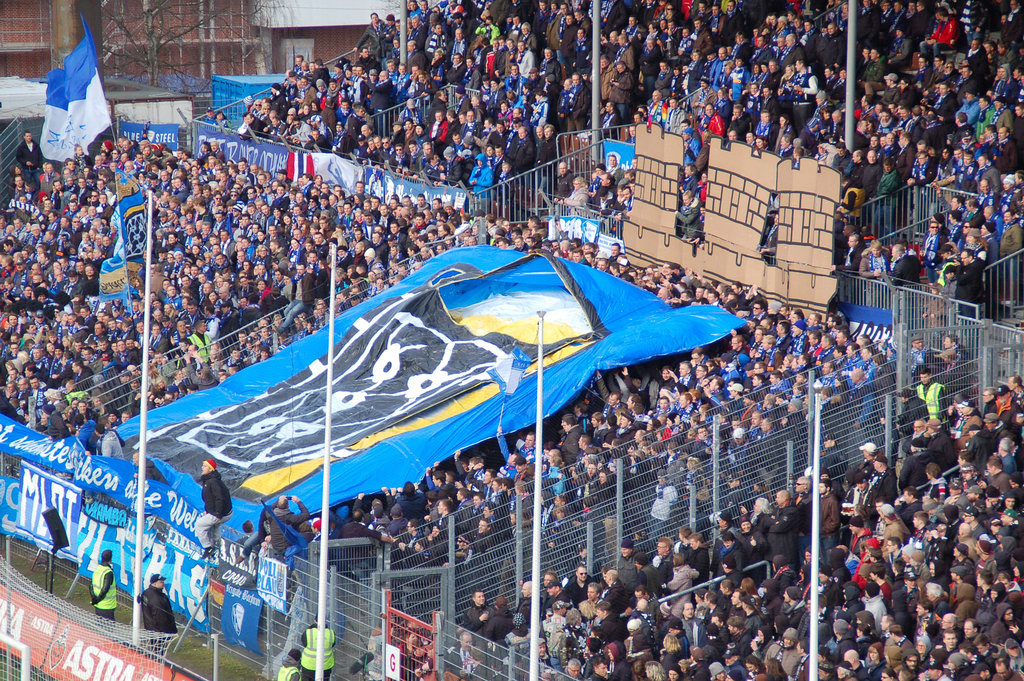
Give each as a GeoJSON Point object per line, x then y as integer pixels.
{"type": "Point", "coordinates": [392, 662]}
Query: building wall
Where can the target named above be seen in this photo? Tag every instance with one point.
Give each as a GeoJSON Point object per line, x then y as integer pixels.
{"type": "Point", "coordinates": [24, 38]}
{"type": "Point", "coordinates": [230, 47]}
{"type": "Point", "coordinates": [328, 42]}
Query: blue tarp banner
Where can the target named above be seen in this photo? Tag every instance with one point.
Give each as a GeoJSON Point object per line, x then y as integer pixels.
{"type": "Point", "coordinates": [247, 422]}
{"type": "Point", "coordinates": [164, 134]}
{"type": "Point", "coordinates": [240, 618]}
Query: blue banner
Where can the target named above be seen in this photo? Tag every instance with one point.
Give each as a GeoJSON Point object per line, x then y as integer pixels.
{"type": "Point", "coordinates": [40, 491]}
{"type": "Point", "coordinates": [588, 231]}
{"type": "Point", "coordinates": [165, 552]}
{"type": "Point", "coordinates": [270, 157]}
{"type": "Point", "coordinates": [10, 500]}
{"type": "Point", "coordinates": [164, 134]}
{"type": "Point", "coordinates": [865, 320]}
{"type": "Point", "coordinates": [240, 618]}
{"type": "Point", "coordinates": [178, 501]}
{"type": "Point", "coordinates": [623, 151]}
{"type": "Point", "coordinates": [384, 184]}
{"type": "Point", "coordinates": [272, 583]}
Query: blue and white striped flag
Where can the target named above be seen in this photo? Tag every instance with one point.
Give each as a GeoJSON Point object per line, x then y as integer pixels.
{"type": "Point", "coordinates": [76, 110]}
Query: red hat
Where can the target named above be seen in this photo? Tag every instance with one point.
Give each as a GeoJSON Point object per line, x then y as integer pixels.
{"type": "Point", "coordinates": [211, 463]}
{"type": "Point", "coordinates": [874, 543]}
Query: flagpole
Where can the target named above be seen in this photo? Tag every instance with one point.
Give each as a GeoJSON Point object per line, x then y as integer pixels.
{"type": "Point", "coordinates": [538, 456]}
{"type": "Point", "coordinates": [140, 490]}
{"type": "Point", "coordinates": [325, 501]}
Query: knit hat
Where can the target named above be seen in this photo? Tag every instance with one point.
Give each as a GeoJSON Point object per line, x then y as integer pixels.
{"type": "Point", "coordinates": [211, 463]}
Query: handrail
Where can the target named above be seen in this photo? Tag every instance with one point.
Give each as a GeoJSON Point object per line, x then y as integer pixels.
{"type": "Point", "coordinates": [709, 583]}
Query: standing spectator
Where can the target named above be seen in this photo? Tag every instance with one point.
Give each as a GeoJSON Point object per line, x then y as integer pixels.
{"type": "Point", "coordinates": [783, 532]}
{"type": "Point", "coordinates": [29, 158]}
{"type": "Point", "coordinates": [217, 503]}
{"type": "Point", "coordinates": [157, 614]}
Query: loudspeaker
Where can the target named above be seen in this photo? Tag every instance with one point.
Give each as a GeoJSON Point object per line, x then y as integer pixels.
{"type": "Point", "coordinates": [56, 527]}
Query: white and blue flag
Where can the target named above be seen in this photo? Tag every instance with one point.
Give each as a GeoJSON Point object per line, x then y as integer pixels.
{"type": "Point", "coordinates": [76, 110]}
{"type": "Point", "coordinates": [508, 371]}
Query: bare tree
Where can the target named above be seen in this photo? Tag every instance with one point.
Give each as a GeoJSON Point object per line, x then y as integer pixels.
{"type": "Point", "coordinates": [187, 38]}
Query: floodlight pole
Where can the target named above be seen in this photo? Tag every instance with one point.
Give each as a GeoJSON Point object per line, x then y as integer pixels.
{"type": "Point", "coordinates": [140, 490]}
{"type": "Point", "coordinates": [815, 537]}
{"type": "Point", "coordinates": [851, 74]}
{"type": "Point", "coordinates": [325, 500]}
{"type": "Point", "coordinates": [538, 462]}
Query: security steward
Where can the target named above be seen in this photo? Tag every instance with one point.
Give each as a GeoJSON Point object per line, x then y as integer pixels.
{"type": "Point", "coordinates": [309, 653]}
{"type": "Point", "coordinates": [103, 591]}
{"type": "Point", "coordinates": [290, 666]}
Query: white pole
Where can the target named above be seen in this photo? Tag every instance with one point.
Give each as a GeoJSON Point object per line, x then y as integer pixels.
{"type": "Point", "coordinates": [325, 501]}
{"type": "Point", "coordinates": [815, 538]}
{"type": "Point", "coordinates": [538, 456]}
{"type": "Point", "coordinates": [140, 490]}
{"type": "Point", "coordinates": [851, 73]}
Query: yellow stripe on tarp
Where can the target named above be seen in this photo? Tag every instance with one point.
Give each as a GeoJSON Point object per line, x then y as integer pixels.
{"type": "Point", "coordinates": [276, 481]}
{"type": "Point", "coordinates": [281, 479]}
{"type": "Point", "coordinates": [523, 330]}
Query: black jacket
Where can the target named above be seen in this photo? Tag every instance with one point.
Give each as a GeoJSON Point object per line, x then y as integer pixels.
{"type": "Point", "coordinates": [907, 268]}
{"type": "Point", "coordinates": [216, 497]}
{"type": "Point", "coordinates": [156, 611]}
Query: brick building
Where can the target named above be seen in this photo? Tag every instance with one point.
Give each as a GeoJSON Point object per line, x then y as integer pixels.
{"type": "Point", "coordinates": [182, 42]}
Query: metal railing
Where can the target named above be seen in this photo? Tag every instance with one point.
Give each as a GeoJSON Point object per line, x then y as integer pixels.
{"type": "Point", "coordinates": [10, 139]}
{"type": "Point", "coordinates": [1005, 289]}
{"type": "Point", "coordinates": [904, 215]}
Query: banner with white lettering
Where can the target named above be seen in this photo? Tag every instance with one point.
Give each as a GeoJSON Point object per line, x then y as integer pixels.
{"type": "Point", "coordinates": [66, 650]}
{"type": "Point", "coordinates": [166, 552]}
{"type": "Point", "coordinates": [176, 498]}
{"type": "Point", "coordinates": [240, 618]}
{"type": "Point", "coordinates": [164, 134]}
{"type": "Point", "coordinates": [272, 583]}
{"type": "Point", "coordinates": [41, 490]}
{"type": "Point", "coordinates": [586, 230]}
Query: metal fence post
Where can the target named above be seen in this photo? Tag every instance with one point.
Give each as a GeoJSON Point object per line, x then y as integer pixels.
{"type": "Point", "coordinates": [620, 473]}
{"type": "Point", "coordinates": [590, 547]}
{"type": "Point", "coordinates": [519, 541]}
{"type": "Point", "coordinates": [693, 504]}
{"type": "Point", "coordinates": [889, 415]}
{"type": "Point", "coordinates": [451, 540]}
{"type": "Point", "coordinates": [268, 667]}
{"type": "Point", "coordinates": [716, 455]}
{"type": "Point", "coordinates": [332, 597]}
{"type": "Point", "coordinates": [790, 463]}
{"type": "Point", "coordinates": [811, 378]}
{"type": "Point", "coordinates": [987, 365]}
{"type": "Point", "coordinates": [216, 657]}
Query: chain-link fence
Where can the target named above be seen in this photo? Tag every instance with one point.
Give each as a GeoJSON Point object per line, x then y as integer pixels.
{"type": "Point", "coordinates": [60, 636]}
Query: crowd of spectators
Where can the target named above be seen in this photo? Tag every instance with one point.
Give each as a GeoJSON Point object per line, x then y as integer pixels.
{"type": "Point", "coordinates": [921, 555]}
{"type": "Point", "coordinates": [921, 566]}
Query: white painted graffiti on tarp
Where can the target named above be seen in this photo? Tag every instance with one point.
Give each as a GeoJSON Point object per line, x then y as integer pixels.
{"type": "Point", "coordinates": [40, 491]}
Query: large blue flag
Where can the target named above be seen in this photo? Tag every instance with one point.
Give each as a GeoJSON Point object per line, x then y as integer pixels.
{"type": "Point", "coordinates": [76, 110]}
{"type": "Point", "coordinates": [118, 272]}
